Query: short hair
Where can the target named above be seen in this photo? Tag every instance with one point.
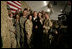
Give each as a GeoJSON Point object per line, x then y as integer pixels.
{"type": "Point", "coordinates": [25, 9]}
{"type": "Point", "coordinates": [17, 14]}
{"type": "Point", "coordinates": [10, 14]}
{"type": "Point", "coordinates": [47, 13]}
{"type": "Point", "coordinates": [34, 12]}
{"type": "Point", "coordinates": [29, 16]}
{"type": "Point", "coordinates": [39, 12]}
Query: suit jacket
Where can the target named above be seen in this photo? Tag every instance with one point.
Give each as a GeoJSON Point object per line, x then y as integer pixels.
{"type": "Point", "coordinates": [35, 23]}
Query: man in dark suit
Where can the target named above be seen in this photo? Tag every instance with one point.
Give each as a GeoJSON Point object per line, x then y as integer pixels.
{"type": "Point", "coordinates": [35, 29]}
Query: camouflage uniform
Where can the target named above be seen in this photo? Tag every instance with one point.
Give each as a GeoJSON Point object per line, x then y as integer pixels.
{"type": "Point", "coordinates": [12, 35]}
{"type": "Point", "coordinates": [47, 24]}
{"type": "Point", "coordinates": [17, 27]}
{"type": "Point", "coordinates": [22, 21]}
{"type": "Point", "coordinates": [43, 17]}
{"type": "Point", "coordinates": [28, 28]}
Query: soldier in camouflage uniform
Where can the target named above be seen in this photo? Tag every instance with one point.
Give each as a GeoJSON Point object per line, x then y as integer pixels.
{"type": "Point", "coordinates": [46, 26]}
{"type": "Point", "coordinates": [12, 33]}
{"type": "Point", "coordinates": [28, 28]}
{"type": "Point", "coordinates": [47, 23]}
{"type": "Point", "coordinates": [22, 22]}
{"type": "Point", "coordinates": [43, 14]}
{"type": "Point", "coordinates": [17, 27]}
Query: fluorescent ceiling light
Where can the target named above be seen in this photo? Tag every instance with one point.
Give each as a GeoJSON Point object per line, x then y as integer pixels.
{"type": "Point", "coordinates": [45, 3]}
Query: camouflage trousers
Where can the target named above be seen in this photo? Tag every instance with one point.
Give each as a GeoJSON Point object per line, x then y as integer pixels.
{"type": "Point", "coordinates": [22, 38]}
{"type": "Point", "coordinates": [13, 40]}
{"type": "Point", "coordinates": [29, 40]}
{"type": "Point", "coordinates": [18, 43]}
{"type": "Point", "coordinates": [45, 41]}
{"type": "Point", "coordinates": [18, 39]}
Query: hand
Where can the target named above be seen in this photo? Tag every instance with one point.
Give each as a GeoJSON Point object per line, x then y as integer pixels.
{"type": "Point", "coordinates": [56, 32]}
{"type": "Point", "coordinates": [36, 27]}
{"type": "Point", "coordinates": [44, 26]}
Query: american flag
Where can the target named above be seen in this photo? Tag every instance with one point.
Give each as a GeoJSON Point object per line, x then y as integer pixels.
{"type": "Point", "coordinates": [14, 5]}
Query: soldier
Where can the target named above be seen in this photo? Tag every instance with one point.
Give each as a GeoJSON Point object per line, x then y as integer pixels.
{"type": "Point", "coordinates": [47, 23]}
{"type": "Point", "coordinates": [12, 32]}
{"type": "Point", "coordinates": [40, 29]}
{"type": "Point", "coordinates": [28, 28]}
{"type": "Point", "coordinates": [22, 21]}
{"type": "Point", "coordinates": [43, 14]}
{"type": "Point", "coordinates": [53, 36]}
{"type": "Point", "coordinates": [11, 16]}
{"type": "Point", "coordinates": [40, 17]}
{"type": "Point", "coordinates": [17, 27]}
{"type": "Point", "coordinates": [36, 30]}
{"type": "Point", "coordinates": [46, 26]}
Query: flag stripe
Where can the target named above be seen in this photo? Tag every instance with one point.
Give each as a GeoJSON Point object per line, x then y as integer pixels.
{"type": "Point", "coordinates": [13, 9]}
{"type": "Point", "coordinates": [14, 5]}
{"type": "Point", "coordinates": [17, 3]}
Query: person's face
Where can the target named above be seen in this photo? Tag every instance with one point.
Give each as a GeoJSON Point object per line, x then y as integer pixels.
{"type": "Point", "coordinates": [35, 13]}
{"type": "Point", "coordinates": [25, 13]}
{"type": "Point", "coordinates": [30, 17]}
{"type": "Point", "coordinates": [39, 14]}
{"type": "Point", "coordinates": [46, 16]}
{"type": "Point", "coordinates": [17, 17]}
{"type": "Point", "coordinates": [11, 15]}
{"type": "Point", "coordinates": [17, 11]}
{"type": "Point", "coordinates": [43, 12]}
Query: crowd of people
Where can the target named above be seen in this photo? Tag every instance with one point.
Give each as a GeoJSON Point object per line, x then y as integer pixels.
{"type": "Point", "coordinates": [30, 29]}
